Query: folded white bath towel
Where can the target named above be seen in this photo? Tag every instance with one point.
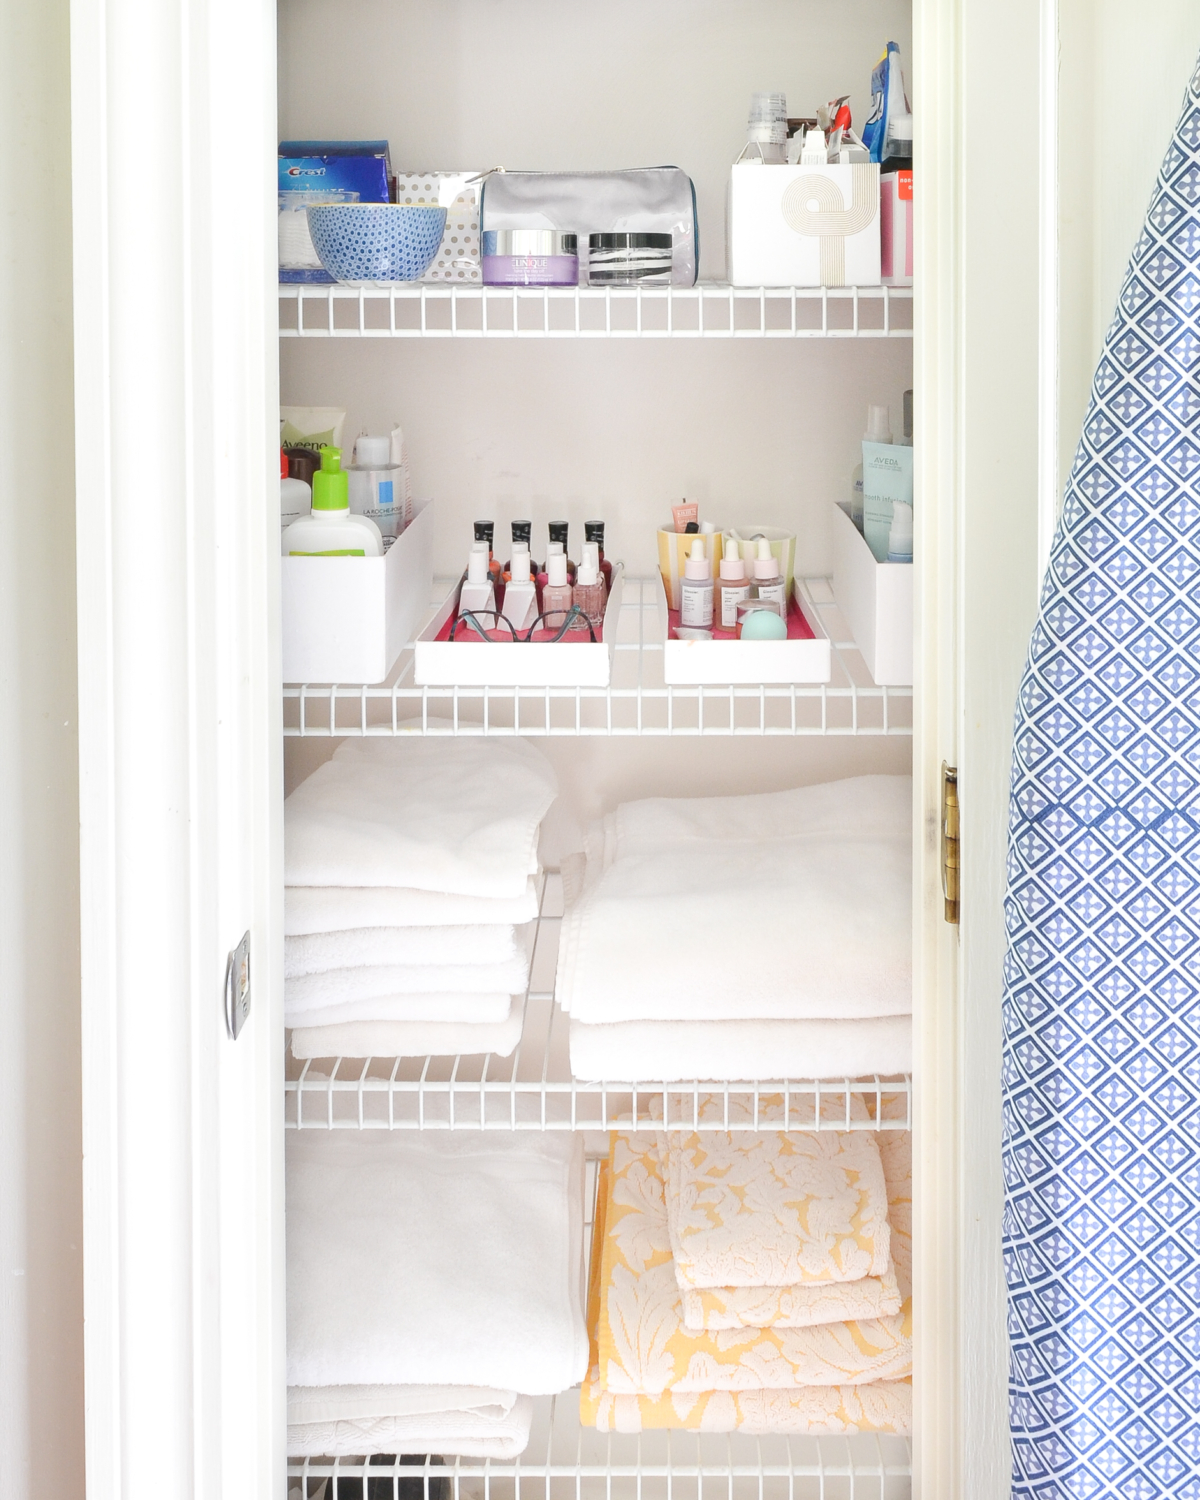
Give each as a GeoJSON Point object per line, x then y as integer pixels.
{"type": "Point", "coordinates": [463, 1421]}
{"type": "Point", "coordinates": [338, 908]}
{"type": "Point", "coordinates": [361, 947]}
{"type": "Point", "coordinates": [446, 1259]}
{"type": "Point", "coordinates": [449, 1008]}
{"type": "Point", "coordinates": [342, 986]}
{"type": "Point", "coordinates": [459, 816]}
{"type": "Point", "coordinates": [411, 1038]}
{"type": "Point", "coordinates": [680, 1051]}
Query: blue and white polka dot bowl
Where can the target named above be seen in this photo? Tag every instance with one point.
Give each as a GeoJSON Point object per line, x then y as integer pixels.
{"type": "Point", "coordinates": [376, 241]}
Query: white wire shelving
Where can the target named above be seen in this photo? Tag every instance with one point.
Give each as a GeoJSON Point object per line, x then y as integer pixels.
{"type": "Point", "coordinates": [710, 310]}
{"type": "Point", "coordinates": [534, 1090]}
{"type": "Point", "coordinates": [637, 702]}
{"type": "Point", "coordinates": [567, 1461]}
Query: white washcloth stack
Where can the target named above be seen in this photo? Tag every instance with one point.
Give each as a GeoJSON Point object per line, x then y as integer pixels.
{"type": "Point", "coordinates": [756, 938]}
{"type": "Point", "coordinates": [434, 1284]}
{"type": "Point", "coordinates": [411, 895]}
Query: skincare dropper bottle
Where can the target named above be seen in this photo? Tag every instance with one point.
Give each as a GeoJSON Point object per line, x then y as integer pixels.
{"type": "Point", "coordinates": [696, 589]}
{"type": "Point", "coordinates": [558, 533]}
{"type": "Point", "coordinates": [329, 530]}
{"type": "Point", "coordinates": [556, 595]}
{"type": "Point", "coordinates": [878, 431]}
{"type": "Point", "coordinates": [588, 592]}
{"type": "Point", "coordinates": [593, 531]}
{"type": "Point", "coordinates": [768, 585]}
{"type": "Point", "coordinates": [520, 592]}
{"type": "Point", "coordinates": [478, 591]}
{"type": "Point", "coordinates": [734, 587]}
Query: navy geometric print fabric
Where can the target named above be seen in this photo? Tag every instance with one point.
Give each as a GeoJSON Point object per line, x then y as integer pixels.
{"type": "Point", "coordinates": [1102, 979]}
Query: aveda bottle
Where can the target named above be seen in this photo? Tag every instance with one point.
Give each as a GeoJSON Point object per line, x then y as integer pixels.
{"type": "Point", "coordinates": [520, 592]}
{"type": "Point", "coordinates": [696, 589]}
{"type": "Point", "coordinates": [878, 431]}
{"type": "Point", "coordinates": [330, 530]}
{"type": "Point", "coordinates": [556, 595]}
{"type": "Point", "coordinates": [768, 584]}
{"type": "Point", "coordinates": [733, 588]}
{"type": "Point", "coordinates": [588, 592]}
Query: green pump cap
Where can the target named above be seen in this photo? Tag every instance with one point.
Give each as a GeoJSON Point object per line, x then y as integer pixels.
{"type": "Point", "coordinates": [331, 488]}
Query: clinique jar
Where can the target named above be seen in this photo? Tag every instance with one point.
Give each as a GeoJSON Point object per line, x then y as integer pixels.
{"type": "Point", "coordinates": [530, 257]}
{"type": "Point", "coordinates": [629, 259]}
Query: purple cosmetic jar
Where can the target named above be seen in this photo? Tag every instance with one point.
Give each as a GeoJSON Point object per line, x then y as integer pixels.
{"type": "Point", "coordinates": [530, 257]}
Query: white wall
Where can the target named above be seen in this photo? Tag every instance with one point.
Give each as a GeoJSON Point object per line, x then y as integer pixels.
{"type": "Point", "coordinates": [41, 1298]}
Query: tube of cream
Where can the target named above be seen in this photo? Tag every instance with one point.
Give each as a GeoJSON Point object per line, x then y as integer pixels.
{"type": "Point", "coordinates": [684, 513]}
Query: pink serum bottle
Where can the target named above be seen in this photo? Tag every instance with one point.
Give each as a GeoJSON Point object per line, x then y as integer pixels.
{"type": "Point", "coordinates": [768, 583]}
{"type": "Point", "coordinates": [556, 596]}
{"type": "Point", "coordinates": [696, 589]}
{"type": "Point", "coordinates": [588, 593]}
{"type": "Point", "coordinates": [733, 588]}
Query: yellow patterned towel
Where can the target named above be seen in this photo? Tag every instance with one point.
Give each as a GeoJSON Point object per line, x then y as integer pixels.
{"type": "Point", "coordinates": [776, 1208]}
{"type": "Point", "coordinates": [885, 1406]}
{"type": "Point", "coordinates": [643, 1347]}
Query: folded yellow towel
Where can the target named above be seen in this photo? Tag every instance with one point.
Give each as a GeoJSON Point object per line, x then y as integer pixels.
{"type": "Point", "coordinates": [884, 1406]}
{"type": "Point", "coordinates": [643, 1347]}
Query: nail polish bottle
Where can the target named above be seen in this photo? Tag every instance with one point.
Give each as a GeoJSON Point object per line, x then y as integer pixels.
{"type": "Point", "coordinates": [478, 591]}
{"type": "Point", "coordinates": [588, 592]}
{"type": "Point", "coordinates": [520, 592]}
{"type": "Point", "coordinates": [485, 531]}
{"type": "Point", "coordinates": [558, 533]}
{"type": "Point", "coordinates": [556, 595]}
{"type": "Point", "coordinates": [522, 532]}
{"type": "Point", "coordinates": [593, 531]}
{"type": "Point", "coordinates": [733, 588]}
{"type": "Point", "coordinates": [553, 549]}
{"type": "Point", "coordinates": [591, 557]}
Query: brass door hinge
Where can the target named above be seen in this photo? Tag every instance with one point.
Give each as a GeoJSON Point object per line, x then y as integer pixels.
{"type": "Point", "coordinates": [950, 841]}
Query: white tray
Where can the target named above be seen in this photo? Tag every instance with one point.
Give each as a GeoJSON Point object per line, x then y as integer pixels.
{"type": "Point", "coordinates": [467, 663]}
{"type": "Point", "coordinates": [691, 663]}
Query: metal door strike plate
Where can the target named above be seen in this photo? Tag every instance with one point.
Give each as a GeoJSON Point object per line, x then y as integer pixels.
{"type": "Point", "coordinates": [237, 988]}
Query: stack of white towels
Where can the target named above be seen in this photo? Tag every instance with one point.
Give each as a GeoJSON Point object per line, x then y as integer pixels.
{"type": "Point", "coordinates": [411, 869]}
{"type": "Point", "coordinates": [434, 1284]}
{"type": "Point", "coordinates": [756, 937]}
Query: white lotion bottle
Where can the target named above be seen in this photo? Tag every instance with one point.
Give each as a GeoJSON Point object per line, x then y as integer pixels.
{"type": "Point", "coordinates": [878, 431]}
{"type": "Point", "coordinates": [696, 589]}
{"type": "Point", "coordinates": [900, 538]}
{"type": "Point", "coordinates": [734, 587]}
{"type": "Point", "coordinates": [295, 497]}
{"type": "Point", "coordinates": [769, 585]}
{"type": "Point", "coordinates": [520, 592]}
{"type": "Point", "coordinates": [329, 530]}
{"type": "Point", "coordinates": [477, 591]}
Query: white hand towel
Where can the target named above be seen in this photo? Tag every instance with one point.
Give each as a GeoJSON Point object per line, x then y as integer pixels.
{"type": "Point", "coordinates": [362, 947]}
{"type": "Point", "coordinates": [823, 922]}
{"type": "Point", "coordinates": [705, 1051]}
{"type": "Point", "coordinates": [411, 1038]}
{"type": "Point", "coordinates": [459, 816]}
{"type": "Point", "coordinates": [435, 1259]}
{"type": "Point", "coordinates": [320, 991]}
{"type": "Point", "coordinates": [337, 908]}
{"type": "Point", "coordinates": [468, 1422]}
{"type": "Point", "coordinates": [450, 1008]}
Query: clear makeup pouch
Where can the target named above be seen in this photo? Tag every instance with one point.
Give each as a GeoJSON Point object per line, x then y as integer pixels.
{"type": "Point", "coordinates": [656, 200]}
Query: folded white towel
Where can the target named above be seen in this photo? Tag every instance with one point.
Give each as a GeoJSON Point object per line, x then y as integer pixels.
{"type": "Point", "coordinates": [470, 1422]}
{"type": "Point", "coordinates": [680, 1051]}
{"type": "Point", "coordinates": [411, 1038]}
{"type": "Point", "coordinates": [342, 986]}
{"type": "Point", "coordinates": [337, 908]}
{"type": "Point", "coordinates": [815, 882]}
{"type": "Point", "coordinates": [360, 947]}
{"type": "Point", "coordinates": [435, 1259]}
{"type": "Point", "coordinates": [459, 816]}
{"type": "Point", "coordinates": [450, 1008]}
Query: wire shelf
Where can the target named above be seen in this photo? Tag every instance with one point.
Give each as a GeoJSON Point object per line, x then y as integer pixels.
{"type": "Point", "coordinates": [534, 1090]}
{"type": "Point", "coordinates": [567, 1461]}
{"type": "Point", "coordinates": [710, 309]}
{"type": "Point", "coordinates": [637, 701]}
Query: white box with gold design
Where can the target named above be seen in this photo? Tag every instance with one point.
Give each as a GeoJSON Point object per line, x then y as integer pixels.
{"type": "Point", "coordinates": [803, 226]}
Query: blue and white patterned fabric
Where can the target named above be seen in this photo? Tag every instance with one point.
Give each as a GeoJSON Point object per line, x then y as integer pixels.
{"type": "Point", "coordinates": [1102, 981]}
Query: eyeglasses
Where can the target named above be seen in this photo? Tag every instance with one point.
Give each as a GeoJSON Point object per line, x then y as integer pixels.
{"type": "Point", "coordinates": [572, 619]}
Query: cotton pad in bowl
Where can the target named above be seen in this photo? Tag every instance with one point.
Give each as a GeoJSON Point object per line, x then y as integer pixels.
{"type": "Point", "coordinates": [376, 241]}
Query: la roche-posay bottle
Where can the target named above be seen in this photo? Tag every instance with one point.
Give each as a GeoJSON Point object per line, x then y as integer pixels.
{"type": "Point", "coordinates": [376, 488]}
{"type": "Point", "coordinates": [329, 530]}
{"type": "Point", "coordinates": [769, 585]}
{"type": "Point", "coordinates": [696, 589]}
{"type": "Point", "coordinates": [733, 588]}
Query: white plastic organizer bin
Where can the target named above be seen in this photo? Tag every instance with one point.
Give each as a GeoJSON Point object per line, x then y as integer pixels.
{"type": "Point", "coordinates": [717, 662]}
{"type": "Point", "coordinates": [346, 619]}
{"type": "Point", "coordinates": [876, 600]}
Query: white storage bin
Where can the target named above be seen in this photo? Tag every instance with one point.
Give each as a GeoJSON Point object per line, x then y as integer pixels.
{"type": "Point", "coordinates": [346, 619]}
{"type": "Point", "coordinates": [467, 663]}
{"type": "Point", "coordinates": [877, 602]}
{"type": "Point", "coordinates": [803, 226]}
{"type": "Point", "coordinates": [704, 663]}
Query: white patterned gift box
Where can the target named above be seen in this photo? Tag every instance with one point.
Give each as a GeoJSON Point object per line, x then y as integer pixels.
{"type": "Point", "coordinates": [457, 259]}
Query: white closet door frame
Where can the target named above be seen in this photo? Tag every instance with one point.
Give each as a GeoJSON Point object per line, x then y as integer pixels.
{"type": "Point", "coordinates": [176, 384]}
